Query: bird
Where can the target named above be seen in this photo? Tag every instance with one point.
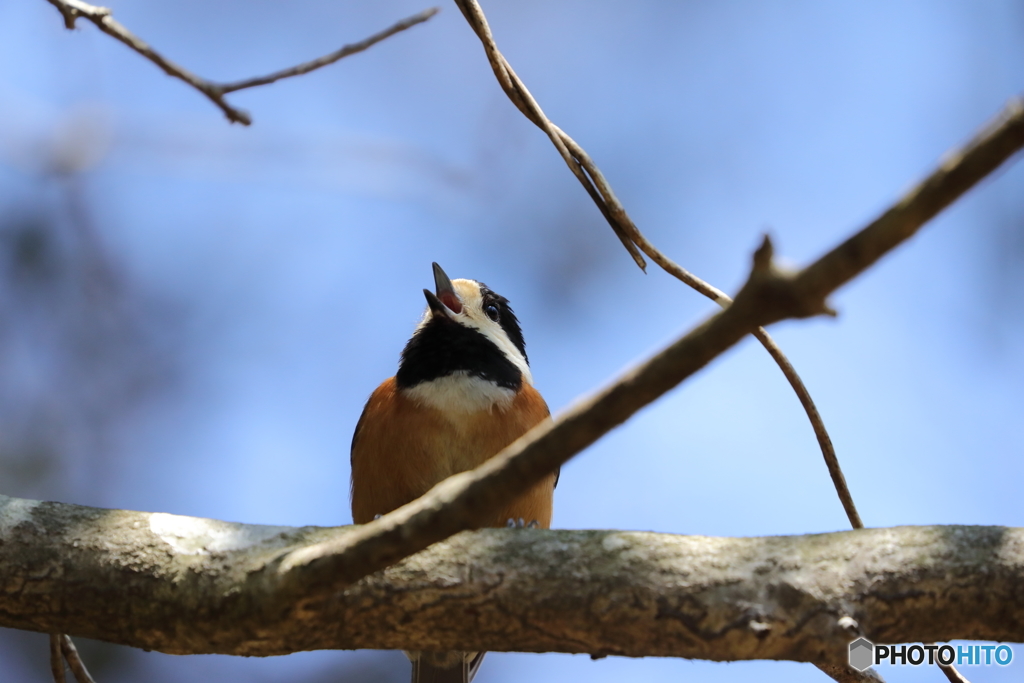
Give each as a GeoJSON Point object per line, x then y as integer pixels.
{"type": "Point", "coordinates": [463, 391]}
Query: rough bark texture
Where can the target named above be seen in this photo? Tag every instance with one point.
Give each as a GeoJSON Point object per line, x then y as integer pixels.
{"type": "Point", "coordinates": [181, 585]}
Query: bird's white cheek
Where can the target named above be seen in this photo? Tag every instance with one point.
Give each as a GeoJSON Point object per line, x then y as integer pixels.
{"type": "Point", "coordinates": [498, 337]}
{"type": "Point", "coordinates": [461, 393]}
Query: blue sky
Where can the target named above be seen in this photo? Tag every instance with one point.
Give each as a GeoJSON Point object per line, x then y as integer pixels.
{"type": "Point", "coordinates": [267, 277]}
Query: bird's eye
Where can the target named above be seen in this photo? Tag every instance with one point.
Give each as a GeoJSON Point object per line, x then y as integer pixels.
{"type": "Point", "coordinates": [492, 312]}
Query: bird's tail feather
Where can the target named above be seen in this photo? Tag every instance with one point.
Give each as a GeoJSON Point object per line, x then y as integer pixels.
{"type": "Point", "coordinates": [433, 667]}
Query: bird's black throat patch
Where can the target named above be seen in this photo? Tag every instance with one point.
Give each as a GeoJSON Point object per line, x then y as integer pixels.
{"type": "Point", "coordinates": [443, 347]}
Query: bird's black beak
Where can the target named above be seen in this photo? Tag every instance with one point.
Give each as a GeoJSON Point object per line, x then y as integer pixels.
{"type": "Point", "coordinates": [443, 299]}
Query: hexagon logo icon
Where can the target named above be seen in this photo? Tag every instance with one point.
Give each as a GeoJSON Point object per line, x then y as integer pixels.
{"type": "Point", "coordinates": [862, 654]}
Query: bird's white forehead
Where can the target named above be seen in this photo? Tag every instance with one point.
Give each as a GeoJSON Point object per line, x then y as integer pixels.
{"type": "Point", "coordinates": [469, 293]}
{"type": "Point", "coordinates": [472, 315]}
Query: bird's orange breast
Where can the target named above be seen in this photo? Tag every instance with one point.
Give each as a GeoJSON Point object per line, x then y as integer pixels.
{"type": "Point", "coordinates": [402, 448]}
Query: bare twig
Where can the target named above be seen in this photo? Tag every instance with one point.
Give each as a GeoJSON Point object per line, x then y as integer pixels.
{"type": "Point", "coordinates": [597, 186]}
{"type": "Point", "coordinates": [828, 451]}
{"type": "Point", "coordinates": [56, 659]}
{"type": "Point", "coordinates": [75, 662]}
{"type": "Point", "coordinates": [334, 56]}
{"type": "Point", "coordinates": [768, 296]}
{"type": "Point", "coordinates": [104, 21]}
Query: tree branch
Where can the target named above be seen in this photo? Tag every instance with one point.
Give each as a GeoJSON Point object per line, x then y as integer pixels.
{"type": "Point", "coordinates": [769, 296]}
{"type": "Point", "coordinates": [104, 21]}
{"type": "Point", "coordinates": [180, 585]}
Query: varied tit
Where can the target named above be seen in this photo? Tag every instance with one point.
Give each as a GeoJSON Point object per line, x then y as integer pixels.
{"type": "Point", "coordinates": [463, 391]}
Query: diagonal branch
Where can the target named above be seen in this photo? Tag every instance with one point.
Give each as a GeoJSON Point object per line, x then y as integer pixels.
{"type": "Point", "coordinates": [876, 243]}
{"type": "Point", "coordinates": [600, 191]}
{"type": "Point", "coordinates": [769, 296]}
{"type": "Point", "coordinates": [104, 21]}
{"type": "Point", "coordinates": [179, 585]}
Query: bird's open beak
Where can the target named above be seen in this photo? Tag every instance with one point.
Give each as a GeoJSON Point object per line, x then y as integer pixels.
{"type": "Point", "coordinates": [443, 299]}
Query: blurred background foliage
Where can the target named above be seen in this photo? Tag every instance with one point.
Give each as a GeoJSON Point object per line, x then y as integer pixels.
{"type": "Point", "coordinates": [192, 313]}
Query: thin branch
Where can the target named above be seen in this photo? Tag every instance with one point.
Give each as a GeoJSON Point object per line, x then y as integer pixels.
{"type": "Point", "coordinates": [56, 659]}
{"type": "Point", "coordinates": [75, 661]}
{"type": "Point", "coordinates": [181, 585]}
{"type": "Point", "coordinates": [828, 451]}
{"type": "Point", "coordinates": [104, 21]}
{"type": "Point", "coordinates": [334, 56]}
{"type": "Point", "coordinates": [600, 191]}
{"type": "Point", "coordinates": [521, 97]}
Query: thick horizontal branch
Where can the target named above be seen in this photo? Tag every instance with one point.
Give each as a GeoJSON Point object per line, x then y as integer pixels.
{"type": "Point", "coordinates": [104, 21]}
{"type": "Point", "coordinates": [178, 585]}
